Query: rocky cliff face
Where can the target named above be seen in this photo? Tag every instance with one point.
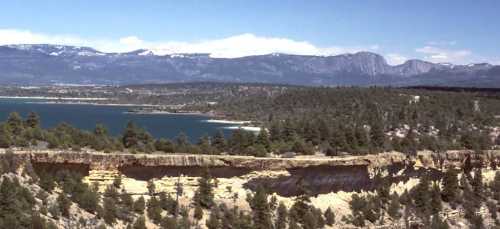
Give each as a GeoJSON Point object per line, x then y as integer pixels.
{"type": "Point", "coordinates": [321, 174]}
{"type": "Point", "coordinates": [103, 161]}
{"type": "Point", "coordinates": [331, 180]}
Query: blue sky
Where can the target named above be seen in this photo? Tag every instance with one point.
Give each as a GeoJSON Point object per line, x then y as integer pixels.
{"type": "Point", "coordinates": [456, 31]}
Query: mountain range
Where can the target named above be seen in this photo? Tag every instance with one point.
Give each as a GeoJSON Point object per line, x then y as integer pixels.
{"type": "Point", "coordinates": [57, 64]}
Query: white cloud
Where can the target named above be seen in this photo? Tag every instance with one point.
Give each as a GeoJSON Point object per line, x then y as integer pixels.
{"type": "Point", "coordinates": [11, 36]}
{"type": "Point", "coordinates": [237, 46]}
{"type": "Point", "coordinates": [395, 58]}
{"type": "Point", "coordinates": [242, 45]}
{"type": "Point", "coordinates": [440, 55]}
{"type": "Point", "coordinates": [131, 41]}
{"type": "Point", "coordinates": [442, 43]}
{"type": "Point", "coordinates": [234, 46]}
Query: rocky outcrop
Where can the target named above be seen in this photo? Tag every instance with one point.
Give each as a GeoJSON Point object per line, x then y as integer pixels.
{"type": "Point", "coordinates": [321, 174]}
{"type": "Point", "coordinates": [331, 180]}
{"type": "Point", "coordinates": [96, 160]}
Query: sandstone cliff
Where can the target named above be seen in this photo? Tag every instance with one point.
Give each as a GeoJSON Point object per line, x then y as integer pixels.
{"type": "Point", "coordinates": [332, 180]}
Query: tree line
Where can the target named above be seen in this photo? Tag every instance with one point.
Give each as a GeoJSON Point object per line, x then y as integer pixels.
{"type": "Point", "coordinates": [306, 121]}
{"type": "Point", "coordinates": [19, 132]}
{"type": "Point", "coordinates": [370, 120]}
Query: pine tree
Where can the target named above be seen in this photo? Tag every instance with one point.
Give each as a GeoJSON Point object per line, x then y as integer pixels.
{"type": "Point", "coordinates": [477, 183]}
{"type": "Point", "coordinates": [244, 221]}
{"type": "Point", "coordinates": [33, 120]}
{"type": "Point", "coordinates": [130, 135]}
{"type": "Point", "coordinates": [140, 223]}
{"type": "Point", "coordinates": [351, 139]}
{"type": "Point", "coordinates": [377, 135]}
{"type": "Point", "coordinates": [263, 139]}
{"type": "Point", "coordinates": [282, 216]}
{"type": "Point", "coordinates": [182, 140]}
{"type": "Point", "coordinates": [139, 205]}
{"type": "Point", "coordinates": [318, 215]}
{"type": "Point", "coordinates": [169, 223]}
{"type": "Point", "coordinates": [204, 145]}
{"type": "Point", "coordinates": [64, 204]}
{"type": "Point", "coordinates": [127, 201]}
{"type": "Point", "coordinates": [15, 123]}
{"type": "Point", "coordinates": [228, 217]}
{"type": "Point", "coordinates": [469, 199]}
{"type": "Point", "coordinates": [165, 202]}
{"type": "Point", "coordinates": [293, 224]}
{"type": "Point", "coordinates": [288, 131]}
{"type": "Point", "coordinates": [422, 195]}
{"type": "Point", "coordinates": [185, 222]}
{"type": "Point", "coordinates": [100, 130]}
{"type": "Point", "coordinates": [329, 217]}
{"type": "Point", "coordinates": [273, 203]}
{"type": "Point", "coordinates": [151, 187]}
{"type": "Point", "coordinates": [339, 142]}
{"type": "Point", "coordinates": [275, 131]}
{"type": "Point", "coordinates": [198, 212]}
{"type": "Point", "coordinates": [204, 196]}
{"type": "Point", "coordinates": [450, 185]}
{"type": "Point", "coordinates": [111, 192]}
{"type": "Point", "coordinates": [213, 221]}
{"type": "Point", "coordinates": [495, 186]}
{"type": "Point", "coordinates": [260, 209]}
{"type": "Point", "coordinates": [88, 199]}
{"type": "Point", "coordinates": [302, 205]}
{"type": "Point", "coordinates": [382, 188]}
{"type": "Point", "coordinates": [467, 166]}
{"type": "Point", "coordinates": [309, 220]}
{"type": "Point", "coordinates": [219, 142]}
{"type": "Point", "coordinates": [476, 221]}
{"type": "Point", "coordinates": [493, 209]}
{"type": "Point", "coordinates": [362, 136]}
{"type": "Point", "coordinates": [409, 144]}
{"type": "Point", "coordinates": [436, 204]}
{"type": "Point", "coordinates": [238, 141]}
{"type": "Point", "coordinates": [8, 165]}
{"type": "Point", "coordinates": [164, 145]}
{"type": "Point", "coordinates": [178, 193]}
{"type": "Point", "coordinates": [438, 223]}
{"type": "Point", "coordinates": [117, 181]}
{"type": "Point", "coordinates": [109, 210]}
{"type": "Point", "coordinates": [154, 209]}
{"type": "Point", "coordinates": [394, 207]}
{"type": "Point", "coordinates": [5, 138]}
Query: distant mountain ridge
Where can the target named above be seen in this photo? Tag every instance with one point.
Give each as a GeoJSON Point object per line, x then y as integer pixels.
{"type": "Point", "coordinates": [50, 64]}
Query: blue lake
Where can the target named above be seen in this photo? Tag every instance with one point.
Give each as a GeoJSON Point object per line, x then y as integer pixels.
{"type": "Point", "coordinates": [114, 118]}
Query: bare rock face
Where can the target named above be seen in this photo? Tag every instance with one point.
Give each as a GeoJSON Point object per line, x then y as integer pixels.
{"type": "Point", "coordinates": [331, 180]}
{"type": "Point", "coordinates": [103, 161]}
{"type": "Point", "coordinates": [320, 174]}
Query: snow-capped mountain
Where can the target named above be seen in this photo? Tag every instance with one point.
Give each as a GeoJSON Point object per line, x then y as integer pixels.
{"type": "Point", "coordinates": [49, 64]}
{"type": "Point", "coordinates": [57, 50]}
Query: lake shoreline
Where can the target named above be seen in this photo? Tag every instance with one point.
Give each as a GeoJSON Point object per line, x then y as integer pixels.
{"type": "Point", "coordinates": [56, 98]}
{"type": "Point", "coordinates": [208, 117]}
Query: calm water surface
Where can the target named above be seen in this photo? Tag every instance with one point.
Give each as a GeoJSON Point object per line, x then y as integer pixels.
{"type": "Point", "coordinates": [114, 118]}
